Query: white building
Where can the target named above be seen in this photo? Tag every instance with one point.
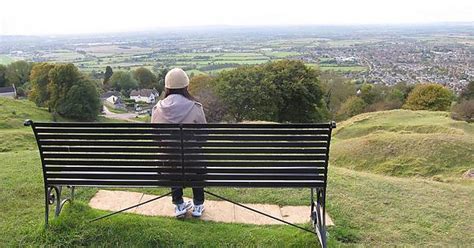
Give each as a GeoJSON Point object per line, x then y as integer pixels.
{"type": "Point", "coordinates": [111, 97]}
{"type": "Point", "coordinates": [144, 95]}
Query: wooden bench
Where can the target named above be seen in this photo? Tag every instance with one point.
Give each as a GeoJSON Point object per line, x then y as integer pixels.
{"type": "Point", "coordinates": [186, 155]}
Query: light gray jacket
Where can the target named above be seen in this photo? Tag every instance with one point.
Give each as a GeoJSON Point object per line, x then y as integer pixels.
{"type": "Point", "coordinates": [177, 109]}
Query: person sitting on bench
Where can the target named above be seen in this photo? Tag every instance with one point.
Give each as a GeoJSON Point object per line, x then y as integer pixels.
{"type": "Point", "coordinates": [179, 106]}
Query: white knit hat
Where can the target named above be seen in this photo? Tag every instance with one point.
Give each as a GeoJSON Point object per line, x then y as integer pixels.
{"type": "Point", "coordinates": [176, 79]}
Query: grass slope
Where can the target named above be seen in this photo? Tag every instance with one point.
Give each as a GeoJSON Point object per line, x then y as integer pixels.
{"type": "Point", "coordinates": [368, 209]}
{"type": "Point", "coordinates": [405, 143]}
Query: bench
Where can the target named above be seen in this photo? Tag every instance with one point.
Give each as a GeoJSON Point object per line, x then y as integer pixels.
{"type": "Point", "coordinates": [185, 155]}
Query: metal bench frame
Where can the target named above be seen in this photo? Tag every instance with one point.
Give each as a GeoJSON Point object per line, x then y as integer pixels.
{"type": "Point", "coordinates": [185, 155]}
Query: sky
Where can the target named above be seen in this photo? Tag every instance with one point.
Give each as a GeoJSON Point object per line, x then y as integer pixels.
{"type": "Point", "coordinates": [46, 17]}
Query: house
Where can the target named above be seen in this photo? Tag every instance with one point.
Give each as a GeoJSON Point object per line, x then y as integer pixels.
{"type": "Point", "coordinates": [111, 97]}
{"type": "Point", "coordinates": [144, 95]}
{"type": "Point", "coordinates": [9, 91]}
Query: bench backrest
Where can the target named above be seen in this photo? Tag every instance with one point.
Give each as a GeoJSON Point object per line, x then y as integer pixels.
{"type": "Point", "coordinates": [188, 155]}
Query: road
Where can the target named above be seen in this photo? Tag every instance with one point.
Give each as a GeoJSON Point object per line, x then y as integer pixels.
{"type": "Point", "coordinates": [122, 116]}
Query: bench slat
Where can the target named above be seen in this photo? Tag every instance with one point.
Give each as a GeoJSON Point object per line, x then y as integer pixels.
{"type": "Point", "coordinates": [162, 125]}
{"type": "Point", "coordinates": [186, 137]}
{"type": "Point", "coordinates": [189, 150]}
{"type": "Point", "coordinates": [187, 157]}
{"type": "Point", "coordinates": [177, 176]}
{"type": "Point", "coordinates": [108, 137]}
{"type": "Point", "coordinates": [110, 143]}
{"type": "Point", "coordinates": [188, 170]}
{"type": "Point", "coordinates": [208, 183]}
{"type": "Point", "coordinates": [248, 144]}
{"type": "Point", "coordinates": [185, 131]}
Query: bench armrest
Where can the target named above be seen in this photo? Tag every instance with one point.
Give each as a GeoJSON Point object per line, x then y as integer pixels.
{"type": "Point", "coordinates": [27, 123]}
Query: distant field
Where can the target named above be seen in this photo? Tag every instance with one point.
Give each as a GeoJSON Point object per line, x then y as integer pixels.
{"type": "Point", "coordinates": [5, 59]}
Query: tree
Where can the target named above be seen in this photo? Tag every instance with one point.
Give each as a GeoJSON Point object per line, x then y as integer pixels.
{"type": "Point", "coordinates": [108, 73]}
{"type": "Point", "coordinates": [298, 93]}
{"type": "Point", "coordinates": [146, 79]}
{"type": "Point", "coordinates": [371, 93]}
{"type": "Point", "coordinates": [468, 92]}
{"type": "Point", "coordinates": [18, 73]}
{"type": "Point", "coordinates": [82, 101]}
{"type": "Point", "coordinates": [39, 79]}
{"type": "Point", "coordinates": [3, 76]}
{"type": "Point", "coordinates": [463, 111]}
{"type": "Point", "coordinates": [203, 88]}
{"type": "Point", "coordinates": [161, 74]}
{"type": "Point", "coordinates": [336, 89]}
{"type": "Point", "coordinates": [247, 95]}
{"type": "Point", "coordinates": [61, 78]}
{"type": "Point", "coordinates": [123, 81]}
{"type": "Point", "coordinates": [354, 105]}
{"type": "Point", "coordinates": [429, 97]}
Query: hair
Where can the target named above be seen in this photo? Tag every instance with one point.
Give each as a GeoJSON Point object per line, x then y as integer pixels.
{"type": "Point", "coordinates": [183, 91]}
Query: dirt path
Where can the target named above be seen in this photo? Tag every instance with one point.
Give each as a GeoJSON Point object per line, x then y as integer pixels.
{"type": "Point", "coordinates": [219, 211]}
{"type": "Point", "coordinates": [123, 116]}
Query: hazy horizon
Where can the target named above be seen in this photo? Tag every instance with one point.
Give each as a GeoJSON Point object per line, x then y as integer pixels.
{"type": "Point", "coordinates": [53, 17]}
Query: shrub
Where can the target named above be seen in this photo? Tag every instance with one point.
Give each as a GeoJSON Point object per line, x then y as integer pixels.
{"type": "Point", "coordinates": [203, 88]}
{"type": "Point", "coordinates": [463, 111]}
{"type": "Point", "coordinates": [429, 97]}
{"type": "Point", "coordinates": [352, 106]}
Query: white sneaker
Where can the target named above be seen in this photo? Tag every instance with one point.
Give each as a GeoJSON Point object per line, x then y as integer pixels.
{"type": "Point", "coordinates": [197, 211]}
{"type": "Point", "coordinates": [181, 209]}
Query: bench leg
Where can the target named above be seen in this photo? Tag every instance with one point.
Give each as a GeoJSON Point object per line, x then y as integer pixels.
{"type": "Point", "coordinates": [318, 215]}
{"type": "Point", "coordinates": [53, 196]}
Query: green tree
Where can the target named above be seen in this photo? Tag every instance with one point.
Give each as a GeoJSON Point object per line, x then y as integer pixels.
{"type": "Point", "coordinates": [39, 79]}
{"type": "Point", "coordinates": [336, 88]}
{"type": "Point", "coordinates": [146, 79]}
{"type": "Point", "coordinates": [371, 93]}
{"type": "Point", "coordinates": [298, 94]}
{"type": "Point", "coordinates": [161, 74]}
{"type": "Point", "coordinates": [3, 76]}
{"type": "Point", "coordinates": [429, 97]}
{"type": "Point", "coordinates": [247, 95]}
{"type": "Point", "coordinates": [61, 78]}
{"type": "Point", "coordinates": [124, 82]}
{"type": "Point", "coordinates": [108, 73]}
{"type": "Point", "coordinates": [18, 73]}
{"type": "Point", "coordinates": [203, 88]}
{"type": "Point", "coordinates": [81, 102]}
{"type": "Point", "coordinates": [468, 92]}
{"type": "Point", "coordinates": [354, 105]}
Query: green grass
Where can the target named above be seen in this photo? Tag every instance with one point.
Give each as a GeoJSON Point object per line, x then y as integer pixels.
{"type": "Point", "coordinates": [14, 112]}
{"type": "Point", "coordinates": [405, 143]}
{"type": "Point", "coordinates": [5, 59]}
{"type": "Point", "coordinates": [368, 209]}
{"type": "Point", "coordinates": [282, 54]}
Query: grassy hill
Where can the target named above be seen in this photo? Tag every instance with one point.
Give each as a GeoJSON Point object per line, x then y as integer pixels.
{"type": "Point", "coordinates": [12, 115]}
{"type": "Point", "coordinates": [405, 143]}
{"type": "Point", "coordinates": [368, 209]}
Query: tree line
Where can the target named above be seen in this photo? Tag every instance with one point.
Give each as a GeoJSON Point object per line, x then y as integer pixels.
{"type": "Point", "coordinates": [69, 93]}
{"type": "Point", "coordinates": [280, 91]}
{"type": "Point", "coordinates": [289, 91]}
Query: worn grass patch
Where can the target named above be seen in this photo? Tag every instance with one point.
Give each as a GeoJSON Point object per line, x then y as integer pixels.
{"type": "Point", "coordinates": [405, 143]}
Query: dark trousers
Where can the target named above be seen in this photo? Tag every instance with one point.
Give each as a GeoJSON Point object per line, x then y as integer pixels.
{"type": "Point", "coordinates": [198, 196]}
